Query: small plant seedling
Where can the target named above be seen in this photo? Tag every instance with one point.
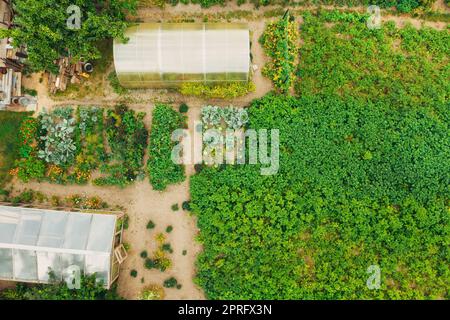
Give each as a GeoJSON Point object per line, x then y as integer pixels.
{"type": "Point", "coordinates": [175, 207]}
{"type": "Point", "coordinates": [150, 225]}
{"type": "Point", "coordinates": [133, 273]}
{"type": "Point", "coordinates": [144, 254]}
{"type": "Point", "coordinates": [169, 229]}
{"type": "Point", "coordinates": [184, 252]}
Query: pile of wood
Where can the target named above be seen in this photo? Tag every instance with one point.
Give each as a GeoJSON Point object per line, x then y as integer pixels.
{"type": "Point", "coordinates": [68, 71]}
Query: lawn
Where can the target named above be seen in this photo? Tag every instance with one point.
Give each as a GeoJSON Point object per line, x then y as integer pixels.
{"type": "Point", "coordinates": [9, 141]}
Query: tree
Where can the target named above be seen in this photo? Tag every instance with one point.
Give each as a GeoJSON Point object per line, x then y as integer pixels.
{"type": "Point", "coordinates": [42, 26]}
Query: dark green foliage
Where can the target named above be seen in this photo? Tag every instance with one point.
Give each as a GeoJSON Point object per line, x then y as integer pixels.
{"type": "Point", "coordinates": [184, 252]}
{"type": "Point", "coordinates": [175, 207]}
{"type": "Point", "coordinates": [42, 27]}
{"type": "Point", "coordinates": [90, 290]}
{"type": "Point", "coordinates": [186, 205]}
{"type": "Point", "coordinates": [150, 263]}
{"type": "Point", "coordinates": [169, 229]}
{"type": "Point", "coordinates": [170, 283]}
{"type": "Point", "coordinates": [150, 225]}
{"type": "Point", "coordinates": [161, 169]}
{"type": "Point", "coordinates": [144, 254]}
{"type": "Point", "coordinates": [359, 184]}
{"type": "Point", "coordinates": [183, 108]}
{"type": "Point", "coordinates": [133, 273]}
{"type": "Point", "coordinates": [167, 247]}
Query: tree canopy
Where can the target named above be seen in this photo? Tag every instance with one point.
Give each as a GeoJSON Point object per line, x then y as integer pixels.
{"type": "Point", "coordinates": [42, 27]}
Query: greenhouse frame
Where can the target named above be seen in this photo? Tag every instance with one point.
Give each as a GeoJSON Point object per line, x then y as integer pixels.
{"type": "Point", "coordinates": [169, 54]}
{"type": "Point", "coordinates": [34, 242]}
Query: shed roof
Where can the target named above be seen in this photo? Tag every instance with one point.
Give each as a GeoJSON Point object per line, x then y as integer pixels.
{"type": "Point", "coordinates": [35, 241]}
{"type": "Point", "coordinates": [168, 54]}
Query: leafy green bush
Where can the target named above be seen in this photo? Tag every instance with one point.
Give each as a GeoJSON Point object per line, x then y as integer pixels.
{"type": "Point", "coordinates": [312, 230]}
{"type": "Point", "coordinates": [220, 91]}
{"type": "Point", "coordinates": [186, 205]}
{"type": "Point", "coordinates": [160, 167]}
{"type": "Point", "coordinates": [144, 254]}
{"type": "Point", "coordinates": [133, 273]}
{"type": "Point", "coordinates": [150, 225]}
{"type": "Point", "coordinates": [175, 207]}
{"type": "Point", "coordinates": [170, 283]}
{"type": "Point", "coordinates": [183, 108]}
{"type": "Point", "coordinates": [169, 229]}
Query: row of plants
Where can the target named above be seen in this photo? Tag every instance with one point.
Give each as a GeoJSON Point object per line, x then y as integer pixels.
{"type": "Point", "coordinates": [401, 5]}
{"type": "Point", "coordinates": [162, 171]}
{"type": "Point", "coordinates": [280, 41]}
{"type": "Point", "coordinates": [229, 90]}
{"type": "Point", "coordinates": [360, 184]}
{"type": "Point", "coordinates": [75, 201]}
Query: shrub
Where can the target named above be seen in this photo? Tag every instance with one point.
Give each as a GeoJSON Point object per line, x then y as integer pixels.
{"type": "Point", "coordinates": [160, 167]}
{"type": "Point", "coordinates": [183, 108]}
{"type": "Point", "coordinates": [152, 292]}
{"type": "Point", "coordinates": [133, 273]}
{"type": "Point", "coordinates": [175, 207]}
{"type": "Point", "coordinates": [150, 263]}
{"type": "Point", "coordinates": [144, 254]}
{"type": "Point", "coordinates": [170, 283]}
{"type": "Point", "coordinates": [186, 205]}
{"type": "Point", "coordinates": [169, 229]}
{"type": "Point", "coordinates": [184, 252]}
{"type": "Point", "coordinates": [150, 225]}
{"type": "Point", "coordinates": [167, 247]}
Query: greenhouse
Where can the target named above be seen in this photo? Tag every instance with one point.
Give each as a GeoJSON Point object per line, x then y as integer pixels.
{"type": "Point", "coordinates": [169, 54]}
{"type": "Point", "coordinates": [34, 242]}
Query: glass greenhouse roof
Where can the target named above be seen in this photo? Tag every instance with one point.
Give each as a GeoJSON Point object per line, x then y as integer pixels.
{"type": "Point", "coordinates": [36, 241]}
{"type": "Point", "coordinates": [168, 54]}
